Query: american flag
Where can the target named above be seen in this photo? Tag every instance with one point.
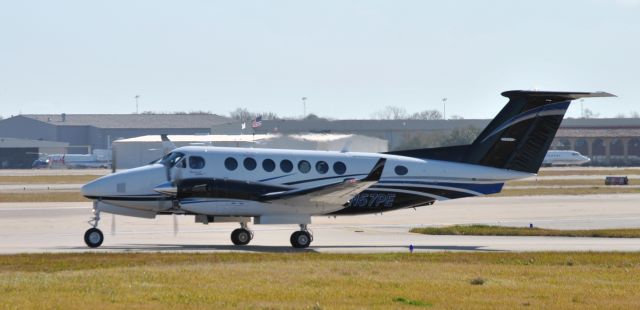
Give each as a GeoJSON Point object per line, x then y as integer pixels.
{"type": "Point", "coordinates": [257, 122]}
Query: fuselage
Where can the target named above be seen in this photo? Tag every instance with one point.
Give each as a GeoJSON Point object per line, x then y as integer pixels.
{"type": "Point", "coordinates": [226, 181]}
{"type": "Point", "coordinates": [565, 158]}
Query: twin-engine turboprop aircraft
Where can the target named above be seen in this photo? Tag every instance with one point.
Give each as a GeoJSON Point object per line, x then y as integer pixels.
{"type": "Point", "coordinates": [220, 184]}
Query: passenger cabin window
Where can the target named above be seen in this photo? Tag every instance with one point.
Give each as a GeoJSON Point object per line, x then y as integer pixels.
{"type": "Point", "coordinates": [231, 163]}
{"type": "Point", "coordinates": [268, 165]}
{"type": "Point", "coordinates": [304, 166]}
{"type": "Point", "coordinates": [339, 167]}
{"type": "Point", "coordinates": [250, 163]}
{"type": "Point", "coordinates": [322, 167]}
{"type": "Point", "coordinates": [196, 162]}
{"type": "Point", "coordinates": [401, 170]}
{"type": "Point", "coordinates": [286, 165]}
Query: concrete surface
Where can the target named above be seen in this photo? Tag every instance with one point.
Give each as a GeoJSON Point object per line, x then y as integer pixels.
{"type": "Point", "coordinates": [59, 227]}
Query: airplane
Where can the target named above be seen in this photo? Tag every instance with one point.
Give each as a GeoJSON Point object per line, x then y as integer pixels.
{"type": "Point", "coordinates": [557, 158]}
{"type": "Point", "coordinates": [275, 186]}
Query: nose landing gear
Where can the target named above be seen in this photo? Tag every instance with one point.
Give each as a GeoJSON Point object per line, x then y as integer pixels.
{"type": "Point", "coordinates": [93, 237]}
{"type": "Point", "coordinates": [301, 239]}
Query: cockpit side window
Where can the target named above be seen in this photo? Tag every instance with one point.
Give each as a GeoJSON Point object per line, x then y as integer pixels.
{"type": "Point", "coordinates": [171, 159]}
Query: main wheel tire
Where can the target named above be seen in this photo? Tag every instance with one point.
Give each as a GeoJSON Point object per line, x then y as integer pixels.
{"type": "Point", "coordinates": [300, 239]}
{"type": "Point", "coordinates": [241, 236]}
{"type": "Point", "coordinates": [93, 237]}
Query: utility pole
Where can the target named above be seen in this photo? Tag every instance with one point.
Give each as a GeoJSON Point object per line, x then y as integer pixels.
{"type": "Point", "coordinates": [444, 108]}
{"type": "Point", "coordinates": [137, 97]}
{"type": "Point", "coordinates": [304, 107]}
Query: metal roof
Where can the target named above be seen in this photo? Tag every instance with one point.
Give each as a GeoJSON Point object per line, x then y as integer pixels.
{"type": "Point", "coordinates": [132, 120]}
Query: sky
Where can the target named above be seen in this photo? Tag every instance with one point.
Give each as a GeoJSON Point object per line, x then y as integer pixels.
{"type": "Point", "coordinates": [349, 58]}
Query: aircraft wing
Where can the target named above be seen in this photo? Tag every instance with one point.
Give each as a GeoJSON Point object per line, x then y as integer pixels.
{"type": "Point", "coordinates": [337, 193]}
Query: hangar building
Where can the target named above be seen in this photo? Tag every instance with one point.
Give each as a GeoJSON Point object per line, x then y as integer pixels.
{"type": "Point", "coordinates": [607, 141]}
{"type": "Point", "coordinates": [97, 131]}
{"type": "Point", "coordinates": [21, 153]}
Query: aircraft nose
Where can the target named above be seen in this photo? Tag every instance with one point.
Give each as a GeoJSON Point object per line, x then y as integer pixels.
{"type": "Point", "coordinates": [90, 189]}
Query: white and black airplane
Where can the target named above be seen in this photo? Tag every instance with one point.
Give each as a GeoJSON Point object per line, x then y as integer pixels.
{"type": "Point", "coordinates": [270, 186]}
{"type": "Point", "coordinates": [564, 158]}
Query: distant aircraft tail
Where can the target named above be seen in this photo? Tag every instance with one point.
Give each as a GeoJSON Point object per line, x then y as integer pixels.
{"type": "Point", "coordinates": [520, 135]}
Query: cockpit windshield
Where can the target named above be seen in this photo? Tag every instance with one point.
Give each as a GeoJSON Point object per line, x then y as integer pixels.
{"type": "Point", "coordinates": [171, 159]}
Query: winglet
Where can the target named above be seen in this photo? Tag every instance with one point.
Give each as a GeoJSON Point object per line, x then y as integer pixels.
{"type": "Point", "coordinates": [376, 172]}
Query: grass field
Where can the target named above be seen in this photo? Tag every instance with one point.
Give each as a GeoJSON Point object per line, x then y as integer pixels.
{"type": "Point", "coordinates": [603, 171]}
{"type": "Point", "coordinates": [564, 182]}
{"type": "Point", "coordinates": [510, 192]}
{"type": "Point", "coordinates": [486, 230]}
{"type": "Point", "coordinates": [57, 196]}
{"type": "Point", "coordinates": [48, 179]}
{"type": "Point", "coordinates": [318, 281]}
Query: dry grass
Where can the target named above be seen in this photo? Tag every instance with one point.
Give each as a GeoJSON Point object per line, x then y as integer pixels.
{"type": "Point", "coordinates": [57, 196]}
{"type": "Point", "coordinates": [486, 230]}
{"type": "Point", "coordinates": [603, 172]}
{"type": "Point", "coordinates": [308, 280]}
{"type": "Point", "coordinates": [48, 179]}
{"type": "Point", "coordinates": [564, 182]}
{"type": "Point", "coordinates": [595, 190]}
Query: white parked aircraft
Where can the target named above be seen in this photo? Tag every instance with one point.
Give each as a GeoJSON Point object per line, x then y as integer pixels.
{"type": "Point", "coordinates": [219, 184]}
{"type": "Point", "coordinates": [564, 158]}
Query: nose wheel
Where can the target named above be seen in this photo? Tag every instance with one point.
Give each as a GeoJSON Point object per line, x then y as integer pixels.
{"type": "Point", "coordinates": [301, 239]}
{"type": "Point", "coordinates": [94, 237]}
{"type": "Point", "coordinates": [241, 236]}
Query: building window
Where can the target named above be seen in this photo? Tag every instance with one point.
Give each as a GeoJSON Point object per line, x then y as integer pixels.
{"type": "Point", "coordinates": [339, 167]}
{"type": "Point", "coordinates": [401, 170]}
{"type": "Point", "coordinates": [322, 167]}
{"type": "Point", "coordinates": [304, 166]}
{"type": "Point", "coordinates": [268, 165]}
{"type": "Point", "coordinates": [231, 163]}
{"type": "Point", "coordinates": [286, 165]}
{"type": "Point", "coordinates": [249, 163]}
{"type": "Point", "coordinates": [196, 162]}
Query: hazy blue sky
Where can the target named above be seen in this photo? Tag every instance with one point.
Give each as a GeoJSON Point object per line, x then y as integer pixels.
{"type": "Point", "coordinates": [350, 58]}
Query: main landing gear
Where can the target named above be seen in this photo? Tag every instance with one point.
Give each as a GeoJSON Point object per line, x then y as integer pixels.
{"type": "Point", "coordinates": [93, 237]}
{"type": "Point", "coordinates": [242, 235]}
{"type": "Point", "coordinates": [301, 239]}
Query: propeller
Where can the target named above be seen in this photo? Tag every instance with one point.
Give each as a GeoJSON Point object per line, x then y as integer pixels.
{"type": "Point", "coordinates": [175, 225]}
{"type": "Point", "coordinates": [113, 224]}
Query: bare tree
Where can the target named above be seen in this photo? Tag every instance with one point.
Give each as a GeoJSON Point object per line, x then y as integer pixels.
{"type": "Point", "coordinates": [634, 114]}
{"type": "Point", "coordinates": [244, 115]}
{"type": "Point", "coordinates": [590, 114]}
{"type": "Point", "coordinates": [391, 112]}
{"type": "Point", "coordinates": [427, 115]}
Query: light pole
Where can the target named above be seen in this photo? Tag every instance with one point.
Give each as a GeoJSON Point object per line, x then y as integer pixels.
{"type": "Point", "coordinates": [444, 108]}
{"type": "Point", "coordinates": [304, 107]}
{"type": "Point", "coordinates": [137, 97]}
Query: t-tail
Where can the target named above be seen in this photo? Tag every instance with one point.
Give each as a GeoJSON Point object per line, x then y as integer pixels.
{"type": "Point", "coordinates": [520, 135]}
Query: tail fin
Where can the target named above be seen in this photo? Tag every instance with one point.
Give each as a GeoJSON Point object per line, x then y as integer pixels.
{"type": "Point", "coordinates": [520, 135]}
{"type": "Point", "coordinates": [167, 145]}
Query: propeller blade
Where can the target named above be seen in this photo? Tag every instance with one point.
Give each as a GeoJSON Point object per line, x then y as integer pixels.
{"type": "Point", "coordinates": [175, 225]}
{"type": "Point", "coordinates": [113, 224]}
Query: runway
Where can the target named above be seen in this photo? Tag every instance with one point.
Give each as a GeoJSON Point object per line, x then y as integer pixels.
{"type": "Point", "coordinates": [59, 227]}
